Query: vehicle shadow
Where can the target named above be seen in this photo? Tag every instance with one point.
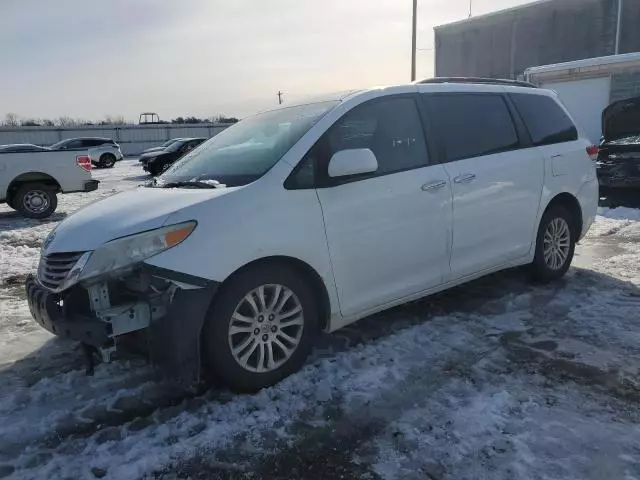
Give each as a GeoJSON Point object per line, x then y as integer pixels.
{"type": "Point", "coordinates": [12, 220]}
{"type": "Point", "coordinates": [620, 197]}
{"type": "Point", "coordinates": [497, 301]}
{"type": "Point", "coordinates": [487, 297]}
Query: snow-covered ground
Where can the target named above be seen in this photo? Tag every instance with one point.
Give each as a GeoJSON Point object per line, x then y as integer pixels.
{"type": "Point", "coordinates": [498, 379]}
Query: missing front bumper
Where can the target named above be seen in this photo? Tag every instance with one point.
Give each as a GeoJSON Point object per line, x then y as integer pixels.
{"type": "Point", "coordinates": [171, 339]}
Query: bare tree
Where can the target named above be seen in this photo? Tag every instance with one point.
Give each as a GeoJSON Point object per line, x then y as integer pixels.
{"type": "Point", "coordinates": [65, 122]}
{"type": "Point", "coordinates": [114, 120]}
{"type": "Point", "coordinates": [11, 120]}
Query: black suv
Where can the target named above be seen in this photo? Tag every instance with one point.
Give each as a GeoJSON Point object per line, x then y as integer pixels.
{"type": "Point", "coordinates": [104, 152]}
{"type": "Point", "coordinates": [157, 162]}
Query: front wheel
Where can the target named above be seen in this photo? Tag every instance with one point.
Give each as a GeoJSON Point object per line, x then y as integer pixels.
{"type": "Point", "coordinates": [555, 245]}
{"type": "Point", "coordinates": [107, 161]}
{"type": "Point", "coordinates": [35, 200]}
{"type": "Point", "coordinates": [261, 329]}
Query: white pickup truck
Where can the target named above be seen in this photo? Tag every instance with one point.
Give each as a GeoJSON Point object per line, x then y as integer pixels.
{"type": "Point", "coordinates": [30, 182]}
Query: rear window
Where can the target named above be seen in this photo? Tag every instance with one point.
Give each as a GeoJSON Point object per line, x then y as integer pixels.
{"type": "Point", "coordinates": [472, 125]}
{"type": "Point", "coordinates": [546, 121]}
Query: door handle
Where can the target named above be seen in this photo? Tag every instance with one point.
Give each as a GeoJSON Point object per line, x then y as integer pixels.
{"type": "Point", "coordinates": [469, 177]}
{"type": "Point", "coordinates": [556, 156]}
{"type": "Point", "coordinates": [437, 185]}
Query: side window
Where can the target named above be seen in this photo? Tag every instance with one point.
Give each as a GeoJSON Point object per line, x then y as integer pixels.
{"type": "Point", "coordinates": [73, 145]}
{"type": "Point", "coordinates": [390, 128]}
{"type": "Point", "coordinates": [546, 121]}
{"type": "Point", "coordinates": [304, 175]}
{"type": "Point", "coordinates": [472, 125]}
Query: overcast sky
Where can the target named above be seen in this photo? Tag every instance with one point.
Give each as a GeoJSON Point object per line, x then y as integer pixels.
{"type": "Point", "coordinates": [91, 58]}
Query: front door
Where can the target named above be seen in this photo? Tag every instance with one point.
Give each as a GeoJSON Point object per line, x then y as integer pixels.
{"type": "Point", "coordinates": [388, 232]}
{"type": "Point", "coordinates": [496, 179]}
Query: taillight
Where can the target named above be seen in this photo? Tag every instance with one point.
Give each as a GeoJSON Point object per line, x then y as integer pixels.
{"type": "Point", "coordinates": [592, 151]}
{"type": "Point", "coordinates": [84, 162]}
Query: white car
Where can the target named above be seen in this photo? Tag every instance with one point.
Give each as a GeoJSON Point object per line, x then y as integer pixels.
{"type": "Point", "coordinates": [30, 180]}
{"type": "Point", "coordinates": [104, 152]}
{"type": "Point", "coordinates": [313, 216]}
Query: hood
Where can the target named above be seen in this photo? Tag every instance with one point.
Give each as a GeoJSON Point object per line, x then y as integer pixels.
{"type": "Point", "coordinates": [621, 119]}
{"type": "Point", "coordinates": [149, 154]}
{"type": "Point", "coordinates": [123, 214]}
{"type": "Point", "coordinates": [154, 149]}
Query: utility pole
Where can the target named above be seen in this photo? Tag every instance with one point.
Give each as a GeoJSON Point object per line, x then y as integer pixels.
{"type": "Point", "coordinates": [470, 2]}
{"type": "Point", "coordinates": [618, 27]}
{"type": "Point", "coordinates": [413, 41]}
{"type": "Point", "coordinates": [279, 98]}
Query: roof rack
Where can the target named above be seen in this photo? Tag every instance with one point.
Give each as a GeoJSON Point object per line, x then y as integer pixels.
{"type": "Point", "coordinates": [486, 81]}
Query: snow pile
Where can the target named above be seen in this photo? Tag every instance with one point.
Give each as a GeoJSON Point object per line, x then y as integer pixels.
{"type": "Point", "coordinates": [620, 213]}
{"type": "Point", "coordinates": [517, 428]}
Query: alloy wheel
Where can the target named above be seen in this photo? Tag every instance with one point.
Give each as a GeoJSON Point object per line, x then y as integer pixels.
{"type": "Point", "coordinates": [557, 243]}
{"type": "Point", "coordinates": [266, 328]}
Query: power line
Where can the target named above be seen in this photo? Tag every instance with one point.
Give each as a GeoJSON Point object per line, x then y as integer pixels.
{"type": "Point", "coordinates": [413, 40]}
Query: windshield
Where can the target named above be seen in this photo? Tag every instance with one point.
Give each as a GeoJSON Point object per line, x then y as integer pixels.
{"type": "Point", "coordinates": [247, 150]}
{"type": "Point", "coordinates": [169, 142]}
{"type": "Point", "coordinates": [175, 146]}
{"type": "Point", "coordinates": [59, 144]}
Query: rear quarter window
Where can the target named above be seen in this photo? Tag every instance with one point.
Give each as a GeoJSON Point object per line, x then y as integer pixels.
{"type": "Point", "coordinates": [545, 119]}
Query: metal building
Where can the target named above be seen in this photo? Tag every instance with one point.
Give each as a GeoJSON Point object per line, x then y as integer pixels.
{"type": "Point", "coordinates": [506, 43]}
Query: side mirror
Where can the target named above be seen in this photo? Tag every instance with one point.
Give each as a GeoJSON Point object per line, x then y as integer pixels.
{"type": "Point", "coordinates": [352, 162]}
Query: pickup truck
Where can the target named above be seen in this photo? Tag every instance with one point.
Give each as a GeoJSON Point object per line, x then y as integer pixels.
{"type": "Point", "coordinates": [30, 182]}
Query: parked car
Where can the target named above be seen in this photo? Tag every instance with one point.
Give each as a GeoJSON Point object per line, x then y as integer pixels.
{"type": "Point", "coordinates": [313, 216]}
{"type": "Point", "coordinates": [618, 162]}
{"type": "Point", "coordinates": [161, 147]}
{"type": "Point", "coordinates": [31, 180]}
{"type": "Point", "coordinates": [157, 162]}
{"type": "Point", "coordinates": [104, 152]}
{"type": "Point", "coordinates": [22, 147]}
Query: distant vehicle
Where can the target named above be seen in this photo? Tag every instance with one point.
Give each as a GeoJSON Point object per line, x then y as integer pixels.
{"type": "Point", "coordinates": [618, 163]}
{"type": "Point", "coordinates": [22, 148]}
{"type": "Point", "coordinates": [157, 162]}
{"type": "Point", "coordinates": [30, 180]}
{"type": "Point", "coordinates": [104, 152]}
{"type": "Point", "coordinates": [313, 216]}
{"type": "Point", "coordinates": [161, 147]}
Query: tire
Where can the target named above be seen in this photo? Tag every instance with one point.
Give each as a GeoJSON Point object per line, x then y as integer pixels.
{"type": "Point", "coordinates": [556, 234]}
{"type": "Point", "coordinates": [260, 336]}
{"type": "Point", "coordinates": [107, 160]}
{"type": "Point", "coordinates": [26, 198]}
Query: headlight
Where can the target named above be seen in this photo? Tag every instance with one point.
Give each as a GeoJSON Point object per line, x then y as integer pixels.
{"type": "Point", "coordinates": [127, 251]}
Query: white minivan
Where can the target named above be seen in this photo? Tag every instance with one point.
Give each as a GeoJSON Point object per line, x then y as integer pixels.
{"type": "Point", "coordinates": [315, 215]}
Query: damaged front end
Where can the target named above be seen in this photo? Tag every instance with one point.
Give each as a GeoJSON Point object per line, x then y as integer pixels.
{"type": "Point", "coordinates": [107, 306]}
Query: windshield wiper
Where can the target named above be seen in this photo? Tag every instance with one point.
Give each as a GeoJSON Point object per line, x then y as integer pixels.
{"type": "Point", "coordinates": [189, 184]}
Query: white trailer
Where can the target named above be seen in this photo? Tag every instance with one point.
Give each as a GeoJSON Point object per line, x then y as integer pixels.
{"type": "Point", "coordinates": [584, 86]}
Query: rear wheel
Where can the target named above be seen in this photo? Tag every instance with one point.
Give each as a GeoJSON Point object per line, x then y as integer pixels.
{"type": "Point", "coordinates": [107, 160]}
{"type": "Point", "coordinates": [555, 245]}
{"type": "Point", "coordinates": [35, 200]}
{"type": "Point", "coordinates": [261, 329]}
